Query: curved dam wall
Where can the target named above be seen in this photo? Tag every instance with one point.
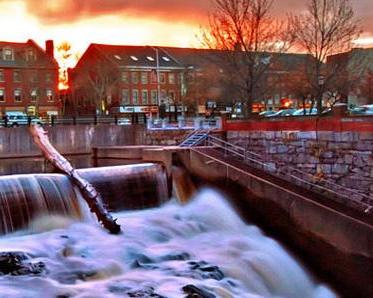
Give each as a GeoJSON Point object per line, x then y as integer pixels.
{"type": "Point", "coordinates": [26, 198]}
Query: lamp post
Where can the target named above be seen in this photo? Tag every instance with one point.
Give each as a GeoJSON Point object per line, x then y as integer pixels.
{"type": "Point", "coordinates": [321, 82]}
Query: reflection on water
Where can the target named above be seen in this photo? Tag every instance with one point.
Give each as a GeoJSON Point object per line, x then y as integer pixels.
{"type": "Point", "coordinates": [171, 251]}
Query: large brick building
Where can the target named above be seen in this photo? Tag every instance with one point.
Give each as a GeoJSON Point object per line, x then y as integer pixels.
{"type": "Point", "coordinates": [28, 78]}
{"type": "Point", "coordinates": [126, 78]}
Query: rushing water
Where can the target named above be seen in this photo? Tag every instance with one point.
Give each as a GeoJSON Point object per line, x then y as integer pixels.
{"type": "Point", "coordinates": [203, 246]}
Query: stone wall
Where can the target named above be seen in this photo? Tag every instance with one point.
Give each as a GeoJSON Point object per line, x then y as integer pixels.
{"type": "Point", "coordinates": [166, 137]}
{"type": "Point", "coordinates": [343, 157]}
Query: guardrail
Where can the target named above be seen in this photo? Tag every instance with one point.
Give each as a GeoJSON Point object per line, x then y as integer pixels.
{"type": "Point", "coordinates": [185, 123]}
{"type": "Point", "coordinates": [135, 118]}
{"type": "Point", "coordinates": [294, 175]}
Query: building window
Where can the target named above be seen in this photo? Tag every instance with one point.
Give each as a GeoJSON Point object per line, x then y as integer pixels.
{"type": "Point", "coordinates": [135, 97]}
{"type": "Point", "coordinates": [135, 77]}
{"type": "Point", "coordinates": [18, 95]}
{"type": "Point", "coordinates": [171, 78]}
{"type": "Point", "coordinates": [1, 75]}
{"type": "Point", "coordinates": [8, 54]}
{"type": "Point", "coordinates": [2, 95]}
{"type": "Point", "coordinates": [17, 76]}
{"type": "Point", "coordinates": [34, 95]}
{"type": "Point", "coordinates": [125, 97]}
{"type": "Point", "coordinates": [48, 77]}
{"type": "Point", "coordinates": [144, 78]}
{"type": "Point", "coordinates": [144, 97]}
{"type": "Point", "coordinates": [171, 95]}
{"type": "Point", "coordinates": [154, 97]}
{"type": "Point", "coordinates": [163, 95]}
{"type": "Point", "coordinates": [125, 77]}
{"type": "Point", "coordinates": [162, 78]}
{"type": "Point", "coordinates": [34, 76]}
{"type": "Point", "coordinates": [153, 76]}
{"type": "Point", "coordinates": [49, 95]}
{"type": "Point", "coordinates": [30, 55]}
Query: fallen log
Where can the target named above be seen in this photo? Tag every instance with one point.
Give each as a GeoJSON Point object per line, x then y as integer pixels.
{"type": "Point", "coordinates": [92, 197]}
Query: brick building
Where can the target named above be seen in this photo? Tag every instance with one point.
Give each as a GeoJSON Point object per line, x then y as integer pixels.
{"type": "Point", "coordinates": [28, 78]}
{"type": "Point", "coordinates": [111, 77]}
{"type": "Point", "coordinates": [125, 77]}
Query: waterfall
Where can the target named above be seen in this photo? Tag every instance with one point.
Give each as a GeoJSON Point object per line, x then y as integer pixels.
{"type": "Point", "coordinates": [200, 249]}
{"type": "Point", "coordinates": [26, 197]}
{"type": "Point", "coordinates": [129, 187]}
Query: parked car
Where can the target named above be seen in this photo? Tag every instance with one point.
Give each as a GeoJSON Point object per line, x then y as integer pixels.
{"type": "Point", "coordinates": [362, 110]}
{"type": "Point", "coordinates": [313, 111]}
{"type": "Point", "coordinates": [266, 113]}
{"type": "Point", "coordinates": [282, 113]}
{"type": "Point", "coordinates": [15, 119]}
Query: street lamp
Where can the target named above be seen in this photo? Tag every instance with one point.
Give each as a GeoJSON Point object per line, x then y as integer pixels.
{"type": "Point", "coordinates": [321, 82]}
{"type": "Point", "coordinates": [158, 74]}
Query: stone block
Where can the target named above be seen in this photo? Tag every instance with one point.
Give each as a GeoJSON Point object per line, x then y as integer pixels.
{"type": "Point", "coordinates": [326, 135]}
{"type": "Point", "coordinates": [307, 135]}
{"type": "Point", "coordinates": [366, 136]}
{"type": "Point", "coordinates": [340, 168]}
{"type": "Point", "coordinates": [348, 159]}
{"type": "Point", "coordinates": [327, 154]}
{"type": "Point", "coordinates": [282, 149]}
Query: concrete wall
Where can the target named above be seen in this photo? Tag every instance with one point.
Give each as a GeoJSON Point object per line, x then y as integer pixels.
{"type": "Point", "coordinates": [343, 157]}
{"type": "Point", "coordinates": [69, 139]}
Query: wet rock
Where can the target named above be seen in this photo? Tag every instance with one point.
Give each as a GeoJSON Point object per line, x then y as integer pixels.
{"type": "Point", "coordinates": [70, 277]}
{"type": "Point", "coordinates": [195, 292]}
{"type": "Point", "coordinates": [138, 264]}
{"type": "Point", "coordinates": [206, 270]}
{"type": "Point", "coordinates": [19, 263]}
{"type": "Point", "coordinates": [176, 257]}
{"type": "Point", "coordinates": [144, 293]}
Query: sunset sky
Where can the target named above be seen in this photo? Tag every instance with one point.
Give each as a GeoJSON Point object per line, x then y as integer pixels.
{"type": "Point", "coordinates": [131, 22]}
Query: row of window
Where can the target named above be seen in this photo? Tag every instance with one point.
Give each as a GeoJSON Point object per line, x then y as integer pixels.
{"type": "Point", "coordinates": [8, 54]}
{"type": "Point", "coordinates": [135, 98]}
{"type": "Point", "coordinates": [33, 76]}
{"type": "Point", "coordinates": [34, 95]}
{"type": "Point", "coordinates": [143, 77]}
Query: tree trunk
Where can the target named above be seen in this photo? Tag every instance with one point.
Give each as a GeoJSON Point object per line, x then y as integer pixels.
{"type": "Point", "coordinates": [92, 197]}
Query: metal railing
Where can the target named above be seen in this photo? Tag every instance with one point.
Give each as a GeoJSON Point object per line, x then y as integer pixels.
{"type": "Point", "coordinates": [294, 175]}
{"type": "Point", "coordinates": [185, 123]}
{"type": "Point", "coordinates": [135, 118]}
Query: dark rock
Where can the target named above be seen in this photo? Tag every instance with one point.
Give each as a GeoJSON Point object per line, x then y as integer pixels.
{"type": "Point", "coordinates": [194, 292]}
{"type": "Point", "coordinates": [176, 257]}
{"type": "Point", "coordinates": [70, 277]}
{"type": "Point", "coordinates": [144, 293]}
{"type": "Point", "coordinates": [138, 264]}
{"type": "Point", "coordinates": [206, 270]}
{"type": "Point", "coordinates": [19, 263]}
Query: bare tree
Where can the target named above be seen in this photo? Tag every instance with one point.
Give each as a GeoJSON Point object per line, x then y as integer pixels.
{"type": "Point", "coordinates": [327, 28]}
{"type": "Point", "coordinates": [98, 83]}
{"type": "Point", "coordinates": [251, 40]}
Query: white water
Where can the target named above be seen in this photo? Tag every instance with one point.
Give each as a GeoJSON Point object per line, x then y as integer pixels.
{"type": "Point", "coordinates": [207, 229]}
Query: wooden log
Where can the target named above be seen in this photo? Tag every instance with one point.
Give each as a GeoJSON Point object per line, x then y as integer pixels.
{"type": "Point", "coordinates": [92, 197]}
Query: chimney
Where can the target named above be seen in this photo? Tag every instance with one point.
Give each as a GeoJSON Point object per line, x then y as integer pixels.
{"type": "Point", "coordinates": [49, 48]}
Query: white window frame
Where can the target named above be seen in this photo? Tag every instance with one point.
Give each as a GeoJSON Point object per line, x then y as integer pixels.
{"type": "Point", "coordinates": [18, 93]}
{"type": "Point", "coordinates": [2, 93]}
{"type": "Point", "coordinates": [125, 97]}
{"type": "Point", "coordinates": [145, 99]}
{"type": "Point", "coordinates": [135, 99]}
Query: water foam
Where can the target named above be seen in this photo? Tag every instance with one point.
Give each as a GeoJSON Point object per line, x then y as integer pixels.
{"type": "Point", "coordinates": [161, 250]}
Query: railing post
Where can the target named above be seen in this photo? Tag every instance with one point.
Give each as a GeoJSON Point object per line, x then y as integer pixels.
{"type": "Point", "coordinates": [53, 120]}
{"type": "Point", "coordinates": [5, 118]}
{"type": "Point", "coordinates": [74, 120]}
{"type": "Point", "coordinates": [116, 120]}
{"type": "Point", "coordinates": [95, 120]}
{"type": "Point", "coordinates": [29, 120]}
{"type": "Point", "coordinates": [133, 118]}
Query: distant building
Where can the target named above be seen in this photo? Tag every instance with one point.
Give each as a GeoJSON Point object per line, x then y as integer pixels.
{"type": "Point", "coordinates": [28, 78]}
{"type": "Point", "coordinates": [125, 78]}
{"type": "Point", "coordinates": [358, 69]}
